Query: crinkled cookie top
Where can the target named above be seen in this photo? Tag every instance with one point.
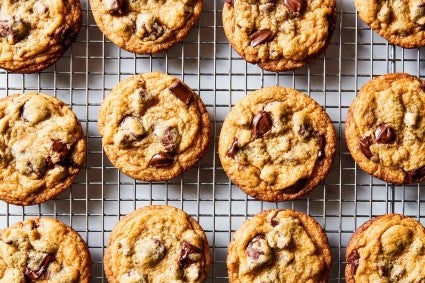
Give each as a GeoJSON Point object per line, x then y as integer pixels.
{"type": "Point", "coordinates": [146, 26]}
{"type": "Point", "coordinates": [388, 116]}
{"type": "Point", "coordinates": [401, 22]}
{"type": "Point", "coordinates": [42, 147]}
{"type": "Point", "coordinates": [389, 249]}
{"type": "Point", "coordinates": [43, 250]}
{"type": "Point", "coordinates": [157, 244]}
{"type": "Point", "coordinates": [35, 32]}
{"type": "Point", "coordinates": [279, 246]}
{"type": "Point", "coordinates": [264, 30]}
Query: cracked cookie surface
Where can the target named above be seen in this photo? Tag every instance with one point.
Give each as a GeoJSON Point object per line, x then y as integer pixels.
{"type": "Point", "coordinates": [146, 26]}
{"type": "Point", "coordinates": [157, 244]}
{"type": "Point", "coordinates": [279, 246]}
{"type": "Point", "coordinates": [34, 34]}
{"type": "Point", "coordinates": [388, 248]}
{"type": "Point", "coordinates": [401, 22]}
{"type": "Point", "coordinates": [279, 35]}
{"type": "Point", "coordinates": [42, 148]}
{"type": "Point", "coordinates": [43, 250]}
{"type": "Point", "coordinates": [277, 144]}
{"type": "Point", "coordinates": [153, 127]}
{"type": "Point", "coordinates": [385, 128]}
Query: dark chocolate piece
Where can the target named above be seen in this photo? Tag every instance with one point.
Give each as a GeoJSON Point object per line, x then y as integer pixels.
{"type": "Point", "coordinates": [181, 91]}
{"type": "Point", "coordinates": [260, 36]}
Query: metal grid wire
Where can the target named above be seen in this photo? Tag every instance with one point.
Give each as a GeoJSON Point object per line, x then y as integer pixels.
{"type": "Point", "coordinates": [206, 62]}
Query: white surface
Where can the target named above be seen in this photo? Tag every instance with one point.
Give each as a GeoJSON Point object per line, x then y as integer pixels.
{"type": "Point", "coordinates": [206, 63]}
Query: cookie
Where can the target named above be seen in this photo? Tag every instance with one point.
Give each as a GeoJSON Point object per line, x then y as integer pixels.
{"type": "Point", "coordinates": [42, 148]}
{"type": "Point", "coordinates": [385, 128]}
{"type": "Point", "coordinates": [43, 250]}
{"type": "Point", "coordinates": [401, 22]}
{"type": "Point", "coordinates": [388, 248]}
{"type": "Point", "coordinates": [279, 246]}
{"type": "Point", "coordinates": [279, 35]}
{"type": "Point", "coordinates": [277, 144]}
{"type": "Point", "coordinates": [34, 34]}
{"type": "Point", "coordinates": [153, 127]}
{"type": "Point", "coordinates": [157, 243]}
{"type": "Point", "coordinates": [146, 26]}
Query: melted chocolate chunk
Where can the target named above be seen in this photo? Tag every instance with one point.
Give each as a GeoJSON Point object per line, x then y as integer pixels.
{"type": "Point", "coordinates": [415, 175]}
{"type": "Point", "coordinates": [65, 36]}
{"type": "Point", "coordinates": [40, 272]}
{"type": "Point", "coordinates": [322, 142]}
{"type": "Point", "coordinates": [13, 29]}
{"type": "Point", "coordinates": [169, 140]}
{"type": "Point", "coordinates": [181, 91]}
{"type": "Point", "coordinates": [233, 150]}
{"type": "Point", "coordinates": [260, 36]}
{"type": "Point", "coordinates": [306, 130]}
{"type": "Point", "coordinates": [162, 160]}
{"type": "Point", "coordinates": [114, 7]}
{"type": "Point", "coordinates": [185, 258]}
{"type": "Point", "coordinates": [364, 145]}
{"type": "Point", "coordinates": [384, 134]}
{"type": "Point", "coordinates": [62, 148]}
{"type": "Point", "coordinates": [231, 2]}
{"type": "Point", "coordinates": [295, 7]}
{"type": "Point", "coordinates": [252, 251]}
{"type": "Point", "coordinates": [353, 260]}
{"type": "Point", "coordinates": [261, 124]}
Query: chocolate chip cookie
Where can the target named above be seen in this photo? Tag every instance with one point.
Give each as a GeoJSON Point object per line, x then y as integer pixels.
{"type": "Point", "coordinates": [277, 144]}
{"type": "Point", "coordinates": [42, 148]}
{"type": "Point", "coordinates": [157, 244]}
{"type": "Point", "coordinates": [401, 22]}
{"type": "Point", "coordinates": [388, 248]}
{"type": "Point", "coordinates": [385, 128]}
{"type": "Point", "coordinates": [279, 246]}
{"type": "Point", "coordinates": [153, 127]}
{"type": "Point", "coordinates": [34, 34]}
{"type": "Point", "coordinates": [43, 250]}
{"type": "Point", "coordinates": [279, 35]}
{"type": "Point", "coordinates": [146, 26]}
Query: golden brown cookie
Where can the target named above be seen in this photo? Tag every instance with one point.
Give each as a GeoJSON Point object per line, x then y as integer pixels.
{"type": "Point", "coordinates": [385, 128]}
{"type": "Point", "coordinates": [34, 34]}
{"type": "Point", "coordinates": [153, 127]}
{"type": "Point", "coordinates": [388, 248]}
{"type": "Point", "coordinates": [43, 250]}
{"type": "Point", "coordinates": [277, 144]}
{"type": "Point", "coordinates": [401, 22]}
{"type": "Point", "coordinates": [279, 35]}
{"type": "Point", "coordinates": [146, 26]}
{"type": "Point", "coordinates": [157, 243]}
{"type": "Point", "coordinates": [279, 246]}
{"type": "Point", "coordinates": [42, 148]}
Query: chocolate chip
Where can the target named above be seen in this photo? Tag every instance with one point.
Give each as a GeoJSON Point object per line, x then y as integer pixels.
{"type": "Point", "coordinates": [60, 147]}
{"type": "Point", "coordinates": [181, 91]}
{"type": "Point", "coordinates": [162, 160]}
{"type": "Point", "coordinates": [322, 142]}
{"type": "Point", "coordinates": [170, 139]}
{"type": "Point", "coordinates": [114, 7]}
{"type": "Point", "coordinates": [261, 124]}
{"type": "Point", "coordinates": [260, 36]}
{"type": "Point", "coordinates": [364, 145]}
{"type": "Point", "coordinates": [274, 222]}
{"type": "Point", "coordinates": [13, 29]}
{"type": "Point", "coordinates": [41, 269]}
{"type": "Point", "coordinates": [186, 255]}
{"type": "Point", "coordinates": [148, 27]}
{"type": "Point", "coordinates": [231, 2]}
{"type": "Point", "coordinates": [306, 130]}
{"type": "Point", "coordinates": [233, 150]}
{"type": "Point", "coordinates": [353, 260]}
{"type": "Point", "coordinates": [384, 134]}
{"type": "Point", "coordinates": [253, 251]}
{"type": "Point", "coordinates": [415, 175]}
{"type": "Point", "coordinates": [295, 7]}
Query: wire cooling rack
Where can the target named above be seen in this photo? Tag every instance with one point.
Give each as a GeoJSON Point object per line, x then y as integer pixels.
{"type": "Point", "coordinates": [206, 62]}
